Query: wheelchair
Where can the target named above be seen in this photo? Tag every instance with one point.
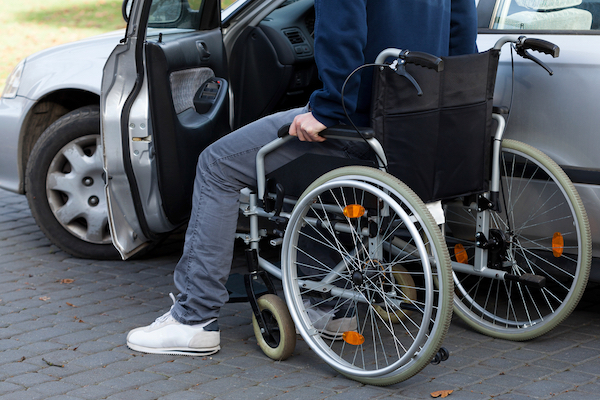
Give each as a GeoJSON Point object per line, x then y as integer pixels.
{"type": "Point", "coordinates": [371, 274]}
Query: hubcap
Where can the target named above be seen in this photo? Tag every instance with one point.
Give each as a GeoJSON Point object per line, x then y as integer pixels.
{"type": "Point", "coordinates": [75, 190]}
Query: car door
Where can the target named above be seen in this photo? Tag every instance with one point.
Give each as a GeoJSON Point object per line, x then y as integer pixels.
{"type": "Point", "coordinates": [164, 99]}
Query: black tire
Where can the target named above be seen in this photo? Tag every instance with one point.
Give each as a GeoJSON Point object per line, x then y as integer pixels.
{"type": "Point", "coordinates": [276, 315]}
{"type": "Point", "coordinates": [65, 186]}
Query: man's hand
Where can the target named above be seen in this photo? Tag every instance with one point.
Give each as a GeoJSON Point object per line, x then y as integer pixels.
{"type": "Point", "coordinates": [307, 128]}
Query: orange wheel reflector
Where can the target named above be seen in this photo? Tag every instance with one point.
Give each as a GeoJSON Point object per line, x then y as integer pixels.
{"type": "Point", "coordinates": [354, 211]}
{"type": "Point", "coordinates": [558, 244]}
{"type": "Point", "coordinates": [461, 254]}
{"type": "Point", "coordinates": [353, 338]}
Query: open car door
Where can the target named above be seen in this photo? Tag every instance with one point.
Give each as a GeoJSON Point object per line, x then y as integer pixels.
{"type": "Point", "coordinates": [164, 99]}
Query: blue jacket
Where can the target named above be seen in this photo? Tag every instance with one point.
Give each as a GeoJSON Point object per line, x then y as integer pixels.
{"type": "Point", "coordinates": [350, 33]}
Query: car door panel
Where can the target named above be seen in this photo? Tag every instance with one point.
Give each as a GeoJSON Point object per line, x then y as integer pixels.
{"type": "Point", "coordinates": [151, 132]}
{"type": "Point", "coordinates": [176, 70]}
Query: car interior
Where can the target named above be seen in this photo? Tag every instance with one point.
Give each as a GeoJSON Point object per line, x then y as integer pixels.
{"type": "Point", "coordinates": [271, 68]}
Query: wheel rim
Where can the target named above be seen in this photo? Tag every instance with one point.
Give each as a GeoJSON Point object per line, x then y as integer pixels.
{"type": "Point", "coordinates": [353, 362]}
{"type": "Point", "coordinates": [75, 190]}
{"type": "Point", "coordinates": [535, 208]}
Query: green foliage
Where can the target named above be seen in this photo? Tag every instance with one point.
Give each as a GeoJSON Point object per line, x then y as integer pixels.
{"type": "Point", "coordinates": [33, 25]}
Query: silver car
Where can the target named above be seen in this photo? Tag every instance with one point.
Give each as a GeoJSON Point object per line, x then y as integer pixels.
{"type": "Point", "coordinates": [184, 73]}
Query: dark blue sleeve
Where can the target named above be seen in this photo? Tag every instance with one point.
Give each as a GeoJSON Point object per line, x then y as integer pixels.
{"type": "Point", "coordinates": [463, 27]}
{"type": "Point", "coordinates": [340, 38]}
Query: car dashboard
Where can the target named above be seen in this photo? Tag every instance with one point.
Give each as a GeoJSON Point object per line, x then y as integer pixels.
{"type": "Point", "coordinates": [272, 64]}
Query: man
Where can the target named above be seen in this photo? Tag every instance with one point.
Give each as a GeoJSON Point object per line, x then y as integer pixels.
{"type": "Point", "coordinates": [348, 33]}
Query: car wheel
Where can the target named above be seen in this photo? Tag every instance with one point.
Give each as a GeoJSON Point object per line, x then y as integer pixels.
{"type": "Point", "coordinates": [65, 186]}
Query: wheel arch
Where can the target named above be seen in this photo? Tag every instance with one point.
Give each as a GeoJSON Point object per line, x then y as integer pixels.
{"type": "Point", "coordinates": [44, 113]}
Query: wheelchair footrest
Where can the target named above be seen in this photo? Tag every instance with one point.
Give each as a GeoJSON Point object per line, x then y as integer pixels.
{"type": "Point", "coordinates": [536, 281]}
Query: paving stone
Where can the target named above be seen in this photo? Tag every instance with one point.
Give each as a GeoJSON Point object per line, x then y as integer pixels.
{"type": "Point", "coordinates": [133, 394]}
{"type": "Point", "coordinates": [24, 395]}
{"type": "Point", "coordinates": [53, 388]}
{"type": "Point", "coordinates": [164, 387]}
{"type": "Point", "coordinates": [484, 388]}
{"type": "Point", "coordinates": [222, 386]}
{"type": "Point", "coordinates": [100, 359]}
{"type": "Point", "coordinates": [132, 380]}
{"type": "Point", "coordinates": [458, 379]}
{"type": "Point", "coordinates": [30, 380]}
{"type": "Point", "coordinates": [544, 389]}
{"type": "Point", "coordinates": [253, 393]}
{"type": "Point", "coordinates": [16, 369]}
{"type": "Point", "coordinates": [186, 395]}
{"type": "Point", "coordinates": [576, 354]}
{"type": "Point", "coordinates": [92, 392]}
{"type": "Point", "coordinates": [92, 377]}
{"type": "Point", "coordinates": [7, 387]}
{"type": "Point", "coordinates": [304, 392]}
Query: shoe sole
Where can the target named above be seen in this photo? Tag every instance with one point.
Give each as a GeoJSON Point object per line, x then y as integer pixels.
{"type": "Point", "coordinates": [175, 351]}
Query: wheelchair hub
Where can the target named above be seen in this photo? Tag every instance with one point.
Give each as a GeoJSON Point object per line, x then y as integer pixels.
{"type": "Point", "coordinates": [497, 246]}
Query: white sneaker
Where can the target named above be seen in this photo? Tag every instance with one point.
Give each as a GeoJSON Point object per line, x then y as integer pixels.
{"type": "Point", "coordinates": [327, 324]}
{"type": "Point", "coordinates": [168, 336]}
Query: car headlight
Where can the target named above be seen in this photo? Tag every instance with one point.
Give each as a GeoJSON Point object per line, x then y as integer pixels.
{"type": "Point", "coordinates": [13, 82]}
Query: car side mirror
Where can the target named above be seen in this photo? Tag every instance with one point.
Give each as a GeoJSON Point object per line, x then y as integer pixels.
{"type": "Point", "coordinates": [126, 9]}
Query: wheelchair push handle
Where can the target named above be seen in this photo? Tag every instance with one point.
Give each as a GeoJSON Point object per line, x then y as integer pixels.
{"type": "Point", "coordinates": [422, 59]}
{"type": "Point", "coordinates": [539, 45]}
{"type": "Point", "coordinates": [410, 57]}
{"type": "Point", "coordinates": [523, 43]}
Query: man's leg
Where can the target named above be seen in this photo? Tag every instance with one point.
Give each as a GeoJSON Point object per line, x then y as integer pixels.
{"type": "Point", "coordinates": [224, 168]}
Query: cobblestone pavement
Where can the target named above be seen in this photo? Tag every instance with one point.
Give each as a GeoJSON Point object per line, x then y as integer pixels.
{"type": "Point", "coordinates": [63, 323]}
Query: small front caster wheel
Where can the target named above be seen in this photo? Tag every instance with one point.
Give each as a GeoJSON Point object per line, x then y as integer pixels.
{"type": "Point", "coordinates": [279, 341]}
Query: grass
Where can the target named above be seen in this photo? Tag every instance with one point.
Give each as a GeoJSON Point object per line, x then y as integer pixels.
{"type": "Point", "coordinates": [33, 25]}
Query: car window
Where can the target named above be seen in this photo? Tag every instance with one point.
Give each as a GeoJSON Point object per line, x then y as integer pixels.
{"type": "Point", "coordinates": [540, 15]}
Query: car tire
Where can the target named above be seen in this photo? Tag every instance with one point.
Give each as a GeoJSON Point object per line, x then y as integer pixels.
{"type": "Point", "coordinates": [65, 186]}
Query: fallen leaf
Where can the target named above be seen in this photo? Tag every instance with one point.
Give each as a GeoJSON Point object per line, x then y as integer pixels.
{"type": "Point", "coordinates": [67, 280]}
{"type": "Point", "coordinates": [44, 298]}
{"type": "Point", "coordinates": [442, 393]}
{"type": "Point", "coordinates": [52, 364]}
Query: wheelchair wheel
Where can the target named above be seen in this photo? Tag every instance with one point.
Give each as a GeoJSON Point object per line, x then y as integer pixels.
{"type": "Point", "coordinates": [280, 344]}
{"type": "Point", "coordinates": [361, 250]}
{"type": "Point", "coordinates": [542, 230]}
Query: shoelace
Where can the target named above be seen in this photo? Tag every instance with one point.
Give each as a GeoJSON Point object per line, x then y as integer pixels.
{"type": "Point", "coordinates": [166, 315]}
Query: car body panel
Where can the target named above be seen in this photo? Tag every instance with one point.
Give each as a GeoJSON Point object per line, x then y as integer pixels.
{"type": "Point", "coordinates": [75, 65]}
{"type": "Point", "coordinates": [72, 66]}
{"type": "Point", "coordinates": [558, 129]}
{"type": "Point", "coordinates": [12, 114]}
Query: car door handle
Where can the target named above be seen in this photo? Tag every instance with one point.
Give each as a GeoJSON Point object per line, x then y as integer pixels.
{"type": "Point", "coordinates": [203, 50]}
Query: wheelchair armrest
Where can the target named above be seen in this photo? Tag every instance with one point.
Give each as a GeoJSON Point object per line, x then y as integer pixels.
{"type": "Point", "coordinates": [348, 132]}
{"type": "Point", "coordinates": [345, 132]}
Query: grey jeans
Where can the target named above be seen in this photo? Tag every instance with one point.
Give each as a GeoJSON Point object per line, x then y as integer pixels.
{"type": "Point", "coordinates": [223, 169]}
